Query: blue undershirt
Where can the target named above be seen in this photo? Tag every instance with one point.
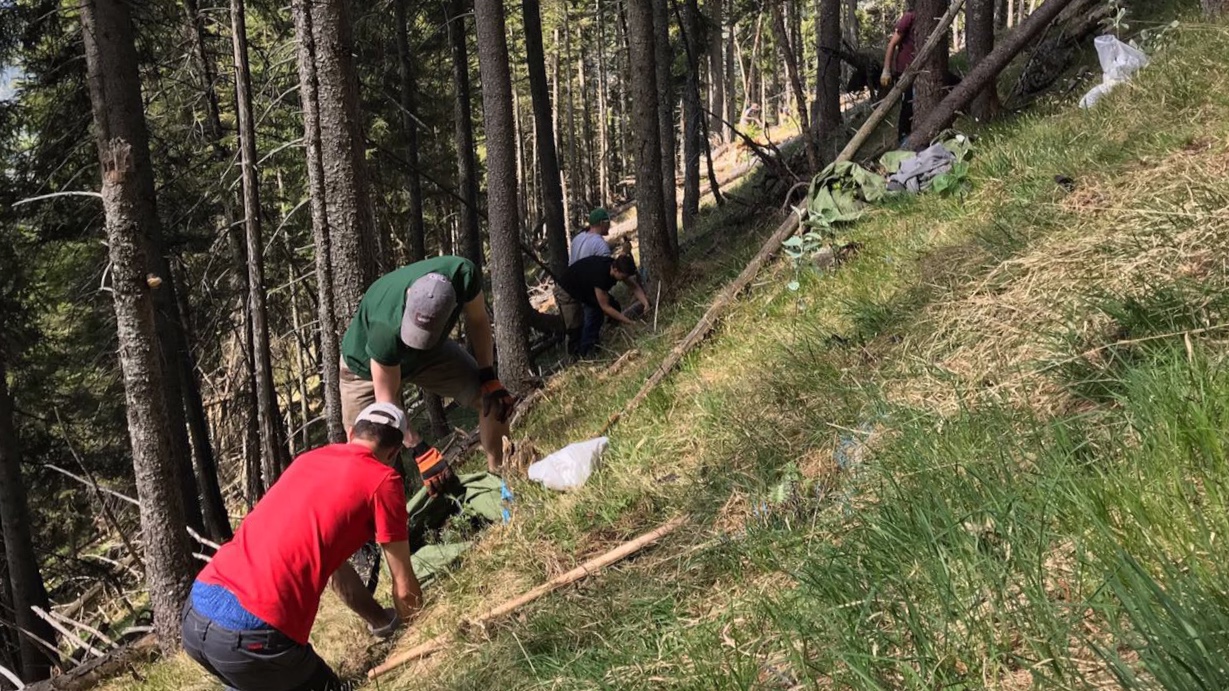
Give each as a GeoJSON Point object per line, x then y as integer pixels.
{"type": "Point", "coordinates": [222, 607]}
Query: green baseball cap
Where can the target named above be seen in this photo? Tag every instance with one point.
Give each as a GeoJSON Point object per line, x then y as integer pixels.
{"type": "Point", "coordinates": [598, 215]}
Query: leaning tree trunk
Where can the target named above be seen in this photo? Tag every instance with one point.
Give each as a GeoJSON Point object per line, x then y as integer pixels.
{"type": "Point", "coordinates": [351, 233]}
{"type": "Point", "coordinates": [689, 25]}
{"type": "Point", "coordinates": [930, 80]}
{"type": "Point", "coordinates": [330, 354]}
{"type": "Point", "coordinates": [409, 96]}
{"type": "Point", "coordinates": [664, 55]}
{"type": "Point", "coordinates": [470, 236]}
{"type": "Point", "coordinates": [656, 251]}
{"type": "Point", "coordinates": [274, 455]}
{"type": "Point", "coordinates": [507, 267]}
{"type": "Point", "coordinates": [544, 137]}
{"type": "Point", "coordinates": [985, 72]}
{"type": "Point", "coordinates": [795, 82]}
{"type": "Point", "coordinates": [24, 578]}
{"type": "Point", "coordinates": [827, 118]}
{"type": "Point", "coordinates": [979, 28]}
{"type": "Point", "coordinates": [131, 219]}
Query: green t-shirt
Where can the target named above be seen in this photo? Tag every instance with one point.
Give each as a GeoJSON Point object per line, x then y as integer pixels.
{"type": "Point", "coordinates": [375, 330]}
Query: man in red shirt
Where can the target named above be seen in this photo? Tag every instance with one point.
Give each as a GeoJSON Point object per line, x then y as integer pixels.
{"type": "Point", "coordinates": [896, 59]}
{"type": "Point", "coordinates": [251, 611]}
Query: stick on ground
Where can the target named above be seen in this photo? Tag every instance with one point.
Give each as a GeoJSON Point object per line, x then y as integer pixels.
{"type": "Point", "coordinates": [586, 569]}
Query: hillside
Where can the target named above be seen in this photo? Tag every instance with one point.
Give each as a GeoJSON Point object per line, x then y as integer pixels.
{"type": "Point", "coordinates": [986, 452]}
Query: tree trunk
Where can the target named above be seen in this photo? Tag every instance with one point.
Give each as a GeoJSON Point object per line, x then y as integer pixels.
{"type": "Point", "coordinates": [795, 81]}
{"type": "Point", "coordinates": [274, 455]}
{"type": "Point", "coordinates": [930, 81]}
{"type": "Point", "coordinates": [664, 55]}
{"type": "Point", "coordinates": [1213, 8]}
{"type": "Point", "coordinates": [985, 72]}
{"type": "Point", "coordinates": [417, 240]}
{"type": "Point", "coordinates": [980, 30]}
{"type": "Point", "coordinates": [544, 135]}
{"type": "Point", "coordinates": [689, 25]}
{"type": "Point", "coordinates": [330, 354]}
{"type": "Point", "coordinates": [730, 104]}
{"type": "Point", "coordinates": [656, 251]}
{"type": "Point", "coordinates": [351, 235]}
{"type": "Point", "coordinates": [716, 70]}
{"type": "Point", "coordinates": [24, 579]}
{"type": "Point", "coordinates": [603, 112]}
{"type": "Point", "coordinates": [213, 506]}
{"type": "Point", "coordinates": [827, 117]}
{"type": "Point", "coordinates": [1000, 15]}
{"type": "Point", "coordinates": [507, 267]}
{"type": "Point", "coordinates": [469, 239]}
{"type": "Point", "coordinates": [128, 200]}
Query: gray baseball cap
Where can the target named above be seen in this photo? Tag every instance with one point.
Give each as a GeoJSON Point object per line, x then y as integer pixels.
{"type": "Point", "coordinates": [428, 304]}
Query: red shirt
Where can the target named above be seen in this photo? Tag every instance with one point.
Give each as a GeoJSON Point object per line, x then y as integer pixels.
{"type": "Point", "coordinates": [906, 48]}
{"type": "Point", "coordinates": [327, 504]}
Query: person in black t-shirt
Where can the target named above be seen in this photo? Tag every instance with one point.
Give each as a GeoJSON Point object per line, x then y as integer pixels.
{"type": "Point", "coordinates": [585, 300]}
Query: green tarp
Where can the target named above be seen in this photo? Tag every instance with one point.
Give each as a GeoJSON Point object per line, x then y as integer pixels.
{"type": "Point", "coordinates": [481, 503]}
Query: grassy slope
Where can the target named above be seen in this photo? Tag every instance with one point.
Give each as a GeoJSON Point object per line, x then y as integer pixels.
{"type": "Point", "coordinates": [972, 457]}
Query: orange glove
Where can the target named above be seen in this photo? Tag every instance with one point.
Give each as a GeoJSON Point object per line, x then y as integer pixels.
{"type": "Point", "coordinates": [435, 472]}
{"type": "Point", "coordinates": [495, 398]}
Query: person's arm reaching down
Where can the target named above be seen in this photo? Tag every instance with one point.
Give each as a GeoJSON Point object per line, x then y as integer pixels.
{"type": "Point", "coordinates": [407, 593]}
{"type": "Point", "coordinates": [638, 291]}
{"type": "Point", "coordinates": [478, 331]}
{"type": "Point", "coordinates": [603, 301]}
{"type": "Point", "coordinates": [387, 383]}
{"type": "Point", "coordinates": [886, 78]}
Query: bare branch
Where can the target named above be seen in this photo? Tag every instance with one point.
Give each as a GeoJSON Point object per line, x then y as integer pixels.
{"type": "Point", "coordinates": [41, 197]}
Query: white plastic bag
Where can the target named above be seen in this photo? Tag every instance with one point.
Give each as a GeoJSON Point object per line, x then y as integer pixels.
{"type": "Point", "coordinates": [569, 467]}
{"type": "Point", "coordinates": [1118, 62]}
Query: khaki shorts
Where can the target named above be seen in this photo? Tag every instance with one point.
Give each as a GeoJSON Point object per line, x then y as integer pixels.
{"type": "Point", "coordinates": [573, 312]}
{"type": "Point", "coordinates": [447, 371]}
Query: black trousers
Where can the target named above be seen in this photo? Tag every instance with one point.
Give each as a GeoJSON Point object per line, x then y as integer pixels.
{"type": "Point", "coordinates": [263, 660]}
{"type": "Point", "coordinates": [904, 126]}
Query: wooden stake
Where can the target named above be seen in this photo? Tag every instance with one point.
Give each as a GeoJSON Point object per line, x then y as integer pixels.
{"type": "Point", "coordinates": [586, 569]}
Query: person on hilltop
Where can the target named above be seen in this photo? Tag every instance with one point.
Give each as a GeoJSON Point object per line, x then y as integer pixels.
{"type": "Point", "coordinates": [585, 300]}
{"type": "Point", "coordinates": [592, 242]}
{"type": "Point", "coordinates": [252, 608]}
{"type": "Point", "coordinates": [896, 59]}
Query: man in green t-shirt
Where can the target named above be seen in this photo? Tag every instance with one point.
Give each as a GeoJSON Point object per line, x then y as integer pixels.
{"type": "Point", "coordinates": [400, 334]}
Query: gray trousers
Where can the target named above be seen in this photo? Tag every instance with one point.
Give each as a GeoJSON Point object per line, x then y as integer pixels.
{"type": "Point", "coordinates": [263, 660]}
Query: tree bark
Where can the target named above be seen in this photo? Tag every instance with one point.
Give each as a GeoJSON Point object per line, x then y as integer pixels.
{"type": "Point", "coordinates": [689, 25]}
{"type": "Point", "coordinates": [24, 580]}
{"type": "Point", "coordinates": [656, 251]}
{"type": "Point", "coordinates": [930, 81]}
{"type": "Point", "coordinates": [544, 136]}
{"type": "Point", "coordinates": [1213, 8]}
{"type": "Point", "coordinates": [469, 238]}
{"type": "Point", "coordinates": [417, 229]}
{"type": "Point", "coordinates": [274, 454]}
{"type": "Point", "coordinates": [507, 267]}
{"type": "Point", "coordinates": [603, 112]}
{"type": "Point", "coordinates": [353, 247]}
{"type": "Point", "coordinates": [128, 200]}
{"type": "Point", "coordinates": [980, 31]}
{"type": "Point", "coordinates": [666, 99]}
{"type": "Point", "coordinates": [827, 118]}
{"type": "Point", "coordinates": [985, 72]}
{"type": "Point", "coordinates": [795, 82]}
{"type": "Point", "coordinates": [330, 354]}
{"type": "Point", "coordinates": [716, 70]}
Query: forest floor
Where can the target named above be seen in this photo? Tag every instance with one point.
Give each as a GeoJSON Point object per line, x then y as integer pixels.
{"type": "Point", "coordinates": [987, 452]}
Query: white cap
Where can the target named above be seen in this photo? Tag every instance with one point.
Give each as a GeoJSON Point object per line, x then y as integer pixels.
{"type": "Point", "coordinates": [386, 414]}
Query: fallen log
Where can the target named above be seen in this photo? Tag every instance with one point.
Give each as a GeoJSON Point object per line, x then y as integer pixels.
{"type": "Point", "coordinates": [100, 669]}
{"type": "Point", "coordinates": [588, 568]}
{"type": "Point", "coordinates": [983, 74]}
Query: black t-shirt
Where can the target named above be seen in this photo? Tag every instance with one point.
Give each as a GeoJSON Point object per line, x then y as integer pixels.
{"type": "Point", "coordinates": [582, 277]}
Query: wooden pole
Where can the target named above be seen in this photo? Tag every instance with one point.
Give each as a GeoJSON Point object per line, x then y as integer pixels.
{"type": "Point", "coordinates": [586, 569]}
